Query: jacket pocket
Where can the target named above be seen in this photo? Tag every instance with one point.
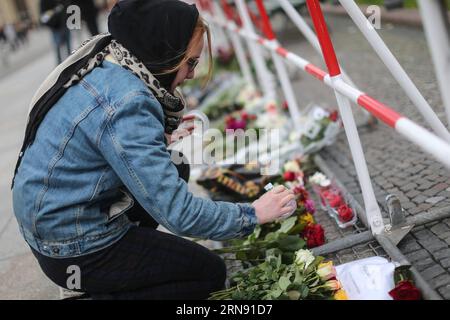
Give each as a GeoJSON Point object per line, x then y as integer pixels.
{"type": "Point", "coordinates": [120, 207]}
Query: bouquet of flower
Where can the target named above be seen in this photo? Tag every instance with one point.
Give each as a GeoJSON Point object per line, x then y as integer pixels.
{"type": "Point", "coordinates": [305, 277]}
{"type": "Point", "coordinates": [286, 235]}
{"type": "Point", "coordinates": [320, 128]}
{"type": "Point", "coordinates": [234, 182]}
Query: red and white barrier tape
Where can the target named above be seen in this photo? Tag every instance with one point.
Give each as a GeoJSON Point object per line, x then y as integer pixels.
{"type": "Point", "coordinates": [407, 128]}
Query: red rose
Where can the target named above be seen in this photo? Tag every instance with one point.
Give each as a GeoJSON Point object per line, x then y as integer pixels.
{"type": "Point", "coordinates": [345, 213]}
{"type": "Point", "coordinates": [314, 235]}
{"type": "Point", "coordinates": [324, 195]}
{"type": "Point", "coordinates": [334, 116]}
{"type": "Point", "coordinates": [244, 116]}
{"type": "Point", "coordinates": [289, 176]}
{"type": "Point", "coordinates": [229, 119]}
{"type": "Point", "coordinates": [301, 193]}
{"type": "Point", "coordinates": [334, 200]}
{"type": "Point", "coordinates": [405, 290]}
{"type": "Point", "coordinates": [285, 105]}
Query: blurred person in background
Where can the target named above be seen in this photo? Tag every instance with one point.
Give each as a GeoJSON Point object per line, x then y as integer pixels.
{"type": "Point", "coordinates": [54, 16]}
{"type": "Point", "coordinates": [2, 35]}
{"type": "Point", "coordinates": [89, 14]}
{"type": "Point", "coordinates": [11, 36]}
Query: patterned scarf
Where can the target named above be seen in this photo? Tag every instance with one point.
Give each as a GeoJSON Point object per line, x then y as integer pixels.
{"type": "Point", "coordinates": [173, 105]}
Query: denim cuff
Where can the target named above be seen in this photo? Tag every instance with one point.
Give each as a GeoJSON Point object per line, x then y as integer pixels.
{"type": "Point", "coordinates": [249, 220]}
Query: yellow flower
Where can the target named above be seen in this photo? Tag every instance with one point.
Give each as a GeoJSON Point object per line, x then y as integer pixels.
{"type": "Point", "coordinates": [292, 166]}
{"type": "Point", "coordinates": [341, 295]}
{"type": "Point", "coordinates": [306, 219]}
{"type": "Point", "coordinates": [333, 285]}
{"type": "Point", "coordinates": [326, 271]}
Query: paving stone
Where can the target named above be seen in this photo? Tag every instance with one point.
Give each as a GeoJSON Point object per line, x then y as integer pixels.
{"type": "Point", "coordinates": [442, 254]}
{"type": "Point", "coordinates": [426, 185]}
{"type": "Point", "coordinates": [431, 224]}
{"type": "Point", "coordinates": [423, 264]}
{"type": "Point", "coordinates": [445, 194]}
{"type": "Point", "coordinates": [408, 205]}
{"type": "Point", "coordinates": [445, 292]}
{"type": "Point", "coordinates": [403, 174]}
{"type": "Point", "coordinates": [440, 281]}
{"type": "Point", "coordinates": [420, 199]}
{"type": "Point", "coordinates": [413, 193]}
{"type": "Point", "coordinates": [447, 221]}
{"type": "Point", "coordinates": [433, 244]}
{"type": "Point", "coordinates": [445, 263]}
{"type": "Point", "coordinates": [418, 255]}
{"type": "Point", "coordinates": [415, 169]}
{"type": "Point", "coordinates": [422, 233]}
{"type": "Point", "coordinates": [436, 189]}
{"type": "Point", "coordinates": [432, 272]}
{"type": "Point", "coordinates": [444, 236]}
{"type": "Point", "coordinates": [434, 200]}
{"type": "Point", "coordinates": [408, 187]}
{"type": "Point", "coordinates": [440, 228]}
{"type": "Point", "coordinates": [410, 246]}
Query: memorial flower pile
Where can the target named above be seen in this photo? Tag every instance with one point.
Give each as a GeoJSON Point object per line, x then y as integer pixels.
{"type": "Point", "coordinates": [304, 277]}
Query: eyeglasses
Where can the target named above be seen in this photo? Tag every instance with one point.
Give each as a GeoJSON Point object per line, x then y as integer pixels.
{"type": "Point", "coordinates": [192, 63]}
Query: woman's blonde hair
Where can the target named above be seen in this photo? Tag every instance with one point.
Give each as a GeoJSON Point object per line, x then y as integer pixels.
{"type": "Point", "coordinates": [200, 29]}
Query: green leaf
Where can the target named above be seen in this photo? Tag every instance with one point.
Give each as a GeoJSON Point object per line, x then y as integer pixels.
{"type": "Point", "coordinates": [305, 292]}
{"type": "Point", "coordinates": [291, 243]}
{"type": "Point", "coordinates": [402, 273]}
{"type": "Point", "coordinates": [297, 229]}
{"type": "Point", "coordinates": [298, 277]}
{"type": "Point", "coordinates": [284, 282]}
{"type": "Point", "coordinates": [272, 236]}
{"type": "Point", "coordinates": [287, 225]}
{"type": "Point", "coordinates": [276, 293]}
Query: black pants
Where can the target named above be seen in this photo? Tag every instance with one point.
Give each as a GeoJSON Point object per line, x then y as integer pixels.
{"type": "Point", "coordinates": [144, 264]}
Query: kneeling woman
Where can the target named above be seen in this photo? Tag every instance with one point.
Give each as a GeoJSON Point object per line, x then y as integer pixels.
{"type": "Point", "coordinates": [94, 178]}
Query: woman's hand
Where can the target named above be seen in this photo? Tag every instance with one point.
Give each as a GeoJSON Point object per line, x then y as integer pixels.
{"type": "Point", "coordinates": [273, 204]}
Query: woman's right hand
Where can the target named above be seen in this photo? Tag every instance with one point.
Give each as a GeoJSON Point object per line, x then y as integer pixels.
{"type": "Point", "coordinates": [273, 204]}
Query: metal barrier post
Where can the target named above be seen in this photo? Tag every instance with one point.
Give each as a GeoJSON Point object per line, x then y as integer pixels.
{"type": "Point", "coordinates": [373, 212]}
{"type": "Point", "coordinates": [395, 68]}
{"type": "Point", "coordinates": [437, 31]}
{"type": "Point", "coordinates": [237, 46]}
{"type": "Point", "coordinates": [280, 67]}
{"type": "Point", "coordinates": [264, 76]}
{"type": "Point", "coordinates": [309, 34]}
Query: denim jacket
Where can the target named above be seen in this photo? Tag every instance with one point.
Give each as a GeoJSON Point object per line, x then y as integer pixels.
{"type": "Point", "coordinates": [103, 140]}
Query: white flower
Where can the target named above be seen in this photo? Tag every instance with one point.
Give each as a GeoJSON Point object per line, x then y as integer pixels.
{"type": "Point", "coordinates": [318, 113]}
{"type": "Point", "coordinates": [318, 178]}
{"type": "Point", "coordinates": [325, 183]}
{"type": "Point", "coordinates": [303, 258]}
{"type": "Point", "coordinates": [292, 166]}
